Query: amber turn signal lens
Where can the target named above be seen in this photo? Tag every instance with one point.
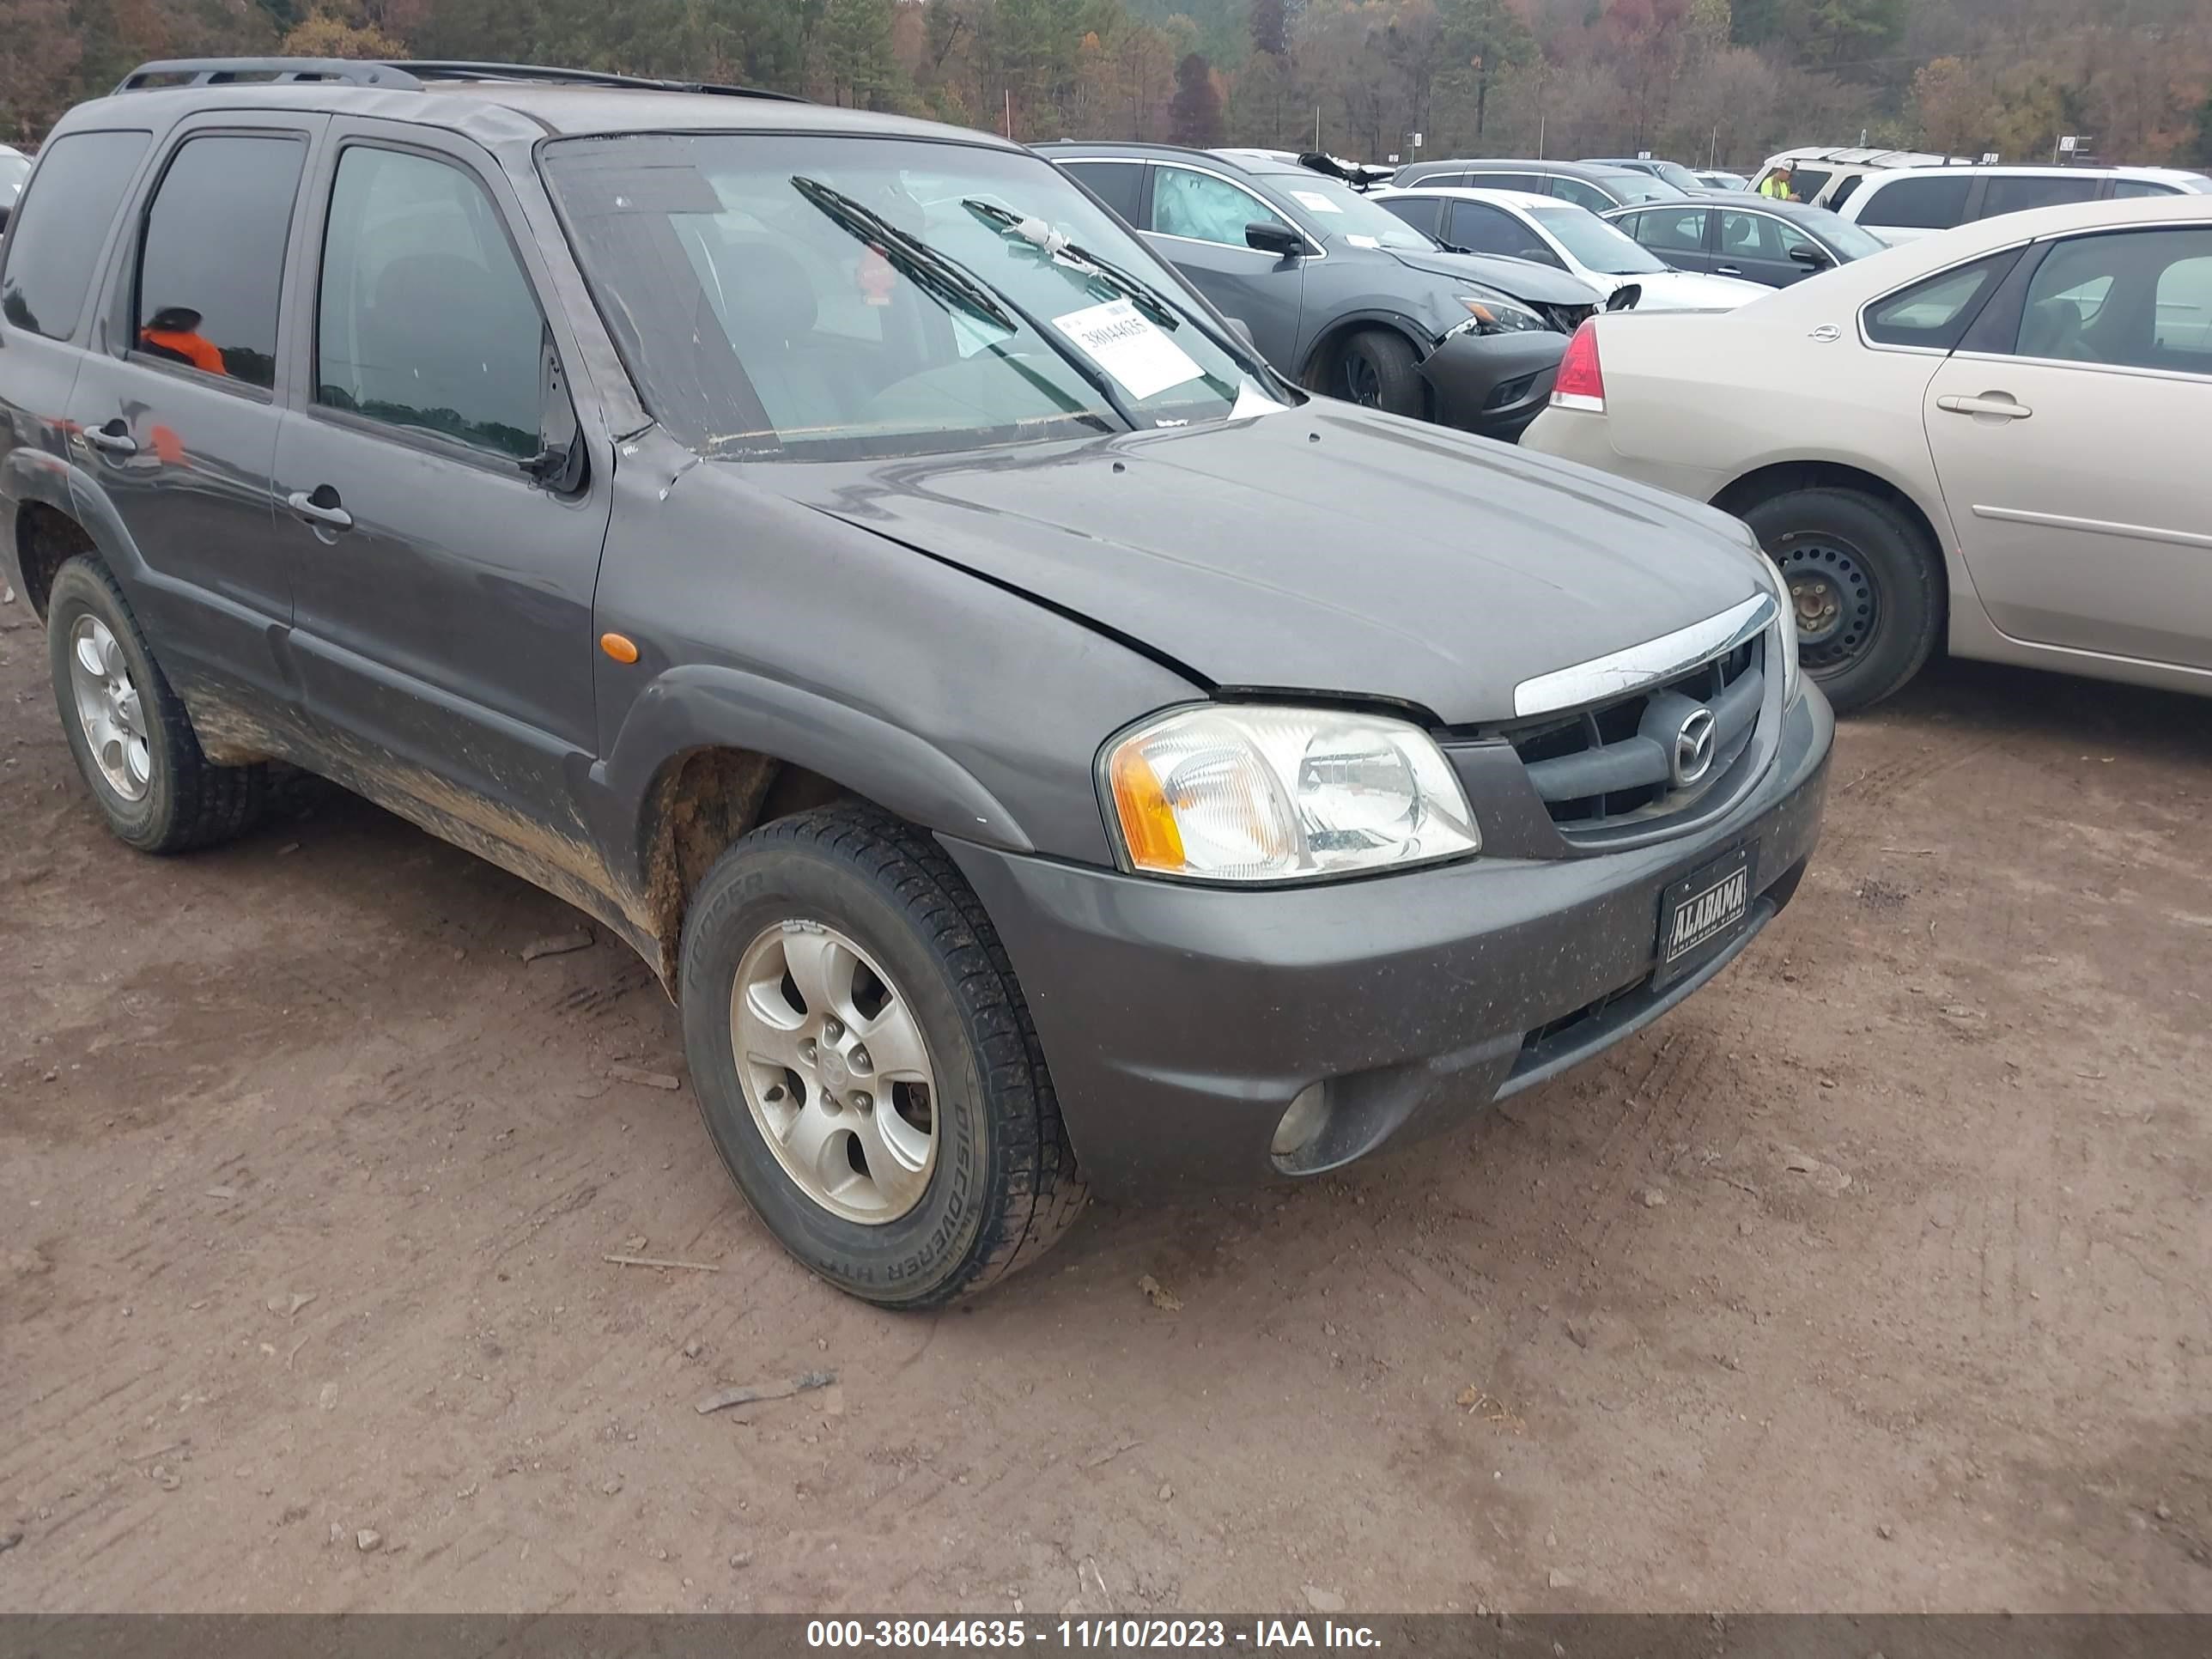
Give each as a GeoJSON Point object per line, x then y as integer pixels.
{"type": "Point", "coordinates": [1148, 823]}
{"type": "Point", "coordinates": [620, 646]}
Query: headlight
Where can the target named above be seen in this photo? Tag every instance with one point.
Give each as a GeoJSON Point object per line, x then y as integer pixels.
{"type": "Point", "coordinates": [1493, 314]}
{"type": "Point", "coordinates": [1786, 630]}
{"type": "Point", "coordinates": [1256, 793]}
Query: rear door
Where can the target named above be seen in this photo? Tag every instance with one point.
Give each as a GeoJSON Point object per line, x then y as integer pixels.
{"type": "Point", "coordinates": [443, 564]}
{"type": "Point", "coordinates": [1680, 233]}
{"type": "Point", "coordinates": [1197, 220]}
{"type": "Point", "coordinates": [1758, 247]}
{"type": "Point", "coordinates": [2016, 192]}
{"type": "Point", "coordinates": [2071, 451]}
{"type": "Point", "coordinates": [175, 407]}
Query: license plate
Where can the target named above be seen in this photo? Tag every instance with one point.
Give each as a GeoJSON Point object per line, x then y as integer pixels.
{"type": "Point", "coordinates": [1702, 910]}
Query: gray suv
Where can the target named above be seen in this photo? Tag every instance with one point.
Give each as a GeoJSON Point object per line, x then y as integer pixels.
{"type": "Point", "coordinates": [1039, 749]}
{"type": "Point", "coordinates": [1340, 294]}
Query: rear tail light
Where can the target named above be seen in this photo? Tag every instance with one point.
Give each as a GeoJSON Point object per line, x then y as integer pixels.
{"type": "Point", "coordinates": [1581, 384]}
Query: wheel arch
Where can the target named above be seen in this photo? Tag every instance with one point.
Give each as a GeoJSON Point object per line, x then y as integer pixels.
{"type": "Point", "coordinates": [1779, 477]}
{"type": "Point", "coordinates": [709, 753]}
{"type": "Point", "coordinates": [1332, 339]}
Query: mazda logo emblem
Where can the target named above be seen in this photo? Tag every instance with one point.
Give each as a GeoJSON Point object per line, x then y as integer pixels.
{"type": "Point", "coordinates": [1694, 748]}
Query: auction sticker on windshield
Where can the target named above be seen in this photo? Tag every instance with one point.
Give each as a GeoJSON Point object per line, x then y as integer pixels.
{"type": "Point", "coordinates": [1124, 342]}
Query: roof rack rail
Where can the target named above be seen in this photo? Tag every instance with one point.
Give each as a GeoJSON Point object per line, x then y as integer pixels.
{"type": "Point", "coordinates": [401, 77]}
{"type": "Point", "coordinates": [547, 75]}
{"type": "Point", "coordinates": [226, 71]}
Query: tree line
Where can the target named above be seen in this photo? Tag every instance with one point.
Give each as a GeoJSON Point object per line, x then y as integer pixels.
{"type": "Point", "coordinates": [1701, 81]}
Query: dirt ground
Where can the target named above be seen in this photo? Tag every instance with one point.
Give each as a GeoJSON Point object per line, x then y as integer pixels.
{"type": "Point", "coordinates": [1874, 1278]}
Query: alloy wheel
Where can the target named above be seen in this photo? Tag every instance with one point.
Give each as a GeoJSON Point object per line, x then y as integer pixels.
{"type": "Point", "coordinates": [109, 710]}
{"type": "Point", "coordinates": [836, 1071]}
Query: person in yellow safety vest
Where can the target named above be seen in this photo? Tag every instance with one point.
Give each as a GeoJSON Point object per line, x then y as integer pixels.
{"type": "Point", "coordinates": [1775, 185]}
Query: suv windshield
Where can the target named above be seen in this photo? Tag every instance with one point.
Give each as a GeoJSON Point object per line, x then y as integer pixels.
{"type": "Point", "coordinates": [1334, 208]}
{"type": "Point", "coordinates": [827, 298]}
{"type": "Point", "coordinates": [1596, 245]}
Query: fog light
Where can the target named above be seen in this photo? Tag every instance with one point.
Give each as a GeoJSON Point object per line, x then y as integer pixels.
{"type": "Point", "coordinates": [1302, 1121]}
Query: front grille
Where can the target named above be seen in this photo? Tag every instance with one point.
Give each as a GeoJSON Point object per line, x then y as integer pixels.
{"type": "Point", "coordinates": [1613, 764]}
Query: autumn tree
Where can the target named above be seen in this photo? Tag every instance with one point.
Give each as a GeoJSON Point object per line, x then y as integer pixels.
{"type": "Point", "coordinates": [1195, 118]}
{"type": "Point", "coordinates": [39, 50]}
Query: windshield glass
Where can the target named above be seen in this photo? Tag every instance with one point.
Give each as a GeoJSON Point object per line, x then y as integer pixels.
{"type": "Point", "coordinates": [1632, 186]}
{"type": "Point", "coordinates": [1335, 209]}
{"type": "Point", "coordinates": [1595, 245]}
{"type": "Point", "coordinates": [827, 298]}
{"type": "Point", "coordinates": [1852, 240]}
{"type": "Point", "coordinates": [14, 169]}
{"type": "Point", "coordinates": [1677, 175]}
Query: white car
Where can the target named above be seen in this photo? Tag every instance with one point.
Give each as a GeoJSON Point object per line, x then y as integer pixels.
{"type": "Point", "coordinates": [1994, 436]}
{"type": "Point", "coordinates": [1906, 204]}
{"type": "Point", "coordinates": [1551, 232]}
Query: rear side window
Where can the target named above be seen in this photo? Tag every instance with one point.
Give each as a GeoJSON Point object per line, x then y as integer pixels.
{"type": "Point", "coordinates": [425, 319]}
{"type": "Point", "coordinates": [58, 230]}
{"type": "Point", "coordinates": [213, 258]}
{"type": "Point", "coordinates": [1120, 185]}
{"type": "Point", "coordinates": [1424, 213]}
{"type": "Point", "coordinates": [1671, 230]}
{"type": "Point", "coordinates": [1916, 203]}
{"type": "Point", "coordinates": [2007, 193]}
{"type": "Point", "coordinates": [1936, 312]}
{"type": "Point", "coordinates": [1532, 183]}
{"type": "Point", "coordinates": [1805, 182]}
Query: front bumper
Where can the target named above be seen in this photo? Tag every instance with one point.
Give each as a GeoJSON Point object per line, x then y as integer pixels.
{"type": "Point", "coordinates": [1493, 384]}
{"type": "Point", "coordinates": [1180, 1022]}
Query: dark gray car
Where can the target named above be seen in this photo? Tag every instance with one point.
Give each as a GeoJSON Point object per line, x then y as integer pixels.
{"type": "Point", "coordinates": [1586, 184]}
{"type": "Point", "coordinates": [1338, 295]}
{"type": "Point", "coordinates": [1756, 237]}
{"type": "Point", "coordinates": [1039, 749]}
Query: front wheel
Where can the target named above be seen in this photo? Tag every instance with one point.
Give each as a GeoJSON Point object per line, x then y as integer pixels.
{"type": "Point", "coordinates": [1380, 370]}
{"type": "Point", "coordinates": [866, 1063]}
{"type": "Point", "coordinates": [1864, 589]}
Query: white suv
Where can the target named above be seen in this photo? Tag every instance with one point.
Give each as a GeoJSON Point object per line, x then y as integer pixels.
{"type": "Point", "coordinates": [1907, 202]}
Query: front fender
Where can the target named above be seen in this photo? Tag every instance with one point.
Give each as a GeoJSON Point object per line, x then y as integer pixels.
{"type": "Point", "coordinates": [701, 706]}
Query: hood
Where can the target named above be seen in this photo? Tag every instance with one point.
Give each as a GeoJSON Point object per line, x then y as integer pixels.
{"type": "Point", "coordinates": [1519, 279]}
{"type": "Point", "coordinates": [1324, 549]}
{"type": "Point", "coordinates": [1691, 290]}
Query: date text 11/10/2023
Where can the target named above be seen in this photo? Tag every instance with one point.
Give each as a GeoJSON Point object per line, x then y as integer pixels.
{"type": "Point", "coordinates": [1081, 1634]}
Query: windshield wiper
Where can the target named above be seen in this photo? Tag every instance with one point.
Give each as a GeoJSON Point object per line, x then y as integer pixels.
{"type": "Point", "coordinates": [1057, 248]}
{"type": "Point", "coordinates": [945, 278]}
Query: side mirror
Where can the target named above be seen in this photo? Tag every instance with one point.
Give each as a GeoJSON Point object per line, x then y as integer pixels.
{"type": "Point", "coordinates": [1624, 297]}
{"type": "Point", "coordinates": [1806, 253]}
{"type": "Point", "coordinates": [1268, 237]}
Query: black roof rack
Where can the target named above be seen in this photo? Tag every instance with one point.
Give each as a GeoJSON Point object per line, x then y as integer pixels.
{"type": "Point", "coordinates": [546, 75]}
{"type": "Point", "coordinates": [228, 71]}
{"type": "Point", "coordinates": [399, 76]}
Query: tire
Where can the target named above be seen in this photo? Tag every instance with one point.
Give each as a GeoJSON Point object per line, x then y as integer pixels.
{"type": "Point", "coordinates": [846, 885]}
{"type": "Point", "coordinates": [1871, 571]}
{"type": "Point", "coordinates": [157, 789]}
{"type": "Point", "coordinates": [1376, 368]}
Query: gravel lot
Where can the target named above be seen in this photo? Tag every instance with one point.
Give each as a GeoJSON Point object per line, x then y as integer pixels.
{"type": "Point", "coordinates": [1876, 1277]}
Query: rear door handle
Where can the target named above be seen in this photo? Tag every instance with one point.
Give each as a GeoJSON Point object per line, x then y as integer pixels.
{"type": "Point", "coordinates": [1991, 402]}
{"type": "Point", "coordinates": [321, 507]}
{"type": "Point", "coordinates": [115, 438]}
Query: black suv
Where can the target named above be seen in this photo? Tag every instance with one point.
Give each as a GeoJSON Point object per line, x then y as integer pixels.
{"type": "Point", "coordinates": [829, 550]}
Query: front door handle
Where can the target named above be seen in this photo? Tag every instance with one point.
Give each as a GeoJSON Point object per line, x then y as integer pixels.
{"type": "Point", "coordinates": [115, 438]}
{"type": "Point", "coordinates": [2001, 405]}
{"type": "Point", "coordinates": [1728, 270]}
{"type": "Point", "coordinates": [321, 507]}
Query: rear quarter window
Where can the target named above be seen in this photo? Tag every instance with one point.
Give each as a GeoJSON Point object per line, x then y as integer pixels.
{"type": "Point", "coordinates": [56, 233]}
{"type": "Point", "coordinates": [2013, 194]}
{"type": "Point", "coordinates": [1120, 185]}
{"type": "Point", "coordinates": [1935, 312]}
{"type": "Point", "coordinates": [1916, 203]}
